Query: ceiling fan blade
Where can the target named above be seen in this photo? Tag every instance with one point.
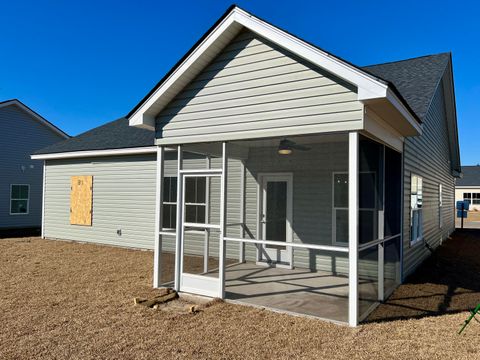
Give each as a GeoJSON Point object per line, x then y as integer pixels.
{"type": "Point", "coordinates": [300, 147]}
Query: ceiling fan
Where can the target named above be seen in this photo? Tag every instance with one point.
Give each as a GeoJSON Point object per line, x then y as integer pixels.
{"type": "Point", "coordinates": [286, 147]}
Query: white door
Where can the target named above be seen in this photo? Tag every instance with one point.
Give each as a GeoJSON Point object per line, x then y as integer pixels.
{"type": "Point", "coordinates": [276, 218]}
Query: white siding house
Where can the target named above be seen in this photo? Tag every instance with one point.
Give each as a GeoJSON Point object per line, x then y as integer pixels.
{"type": "Point", "coordinates": [300, 181]}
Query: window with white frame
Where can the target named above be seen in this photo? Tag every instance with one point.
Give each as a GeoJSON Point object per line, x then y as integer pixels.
{"type": "Point", "coordinates": [195, 201]}
{"type": "Point", "coordinates": [472, 198]}
{"type": "Point", "coordinates": [169, 209]}
{"type": "Point", "coordinates": [19, 199]}
{"type": "Point", "coordinates": [440, 205]}
{"type": "Point", "coordinates": [416, 204]}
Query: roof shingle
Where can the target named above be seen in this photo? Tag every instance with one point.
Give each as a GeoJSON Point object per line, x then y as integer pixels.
{"type": "Point", "coordinates": [471, 176]}
{"type": "Point", "coordinates": [415, 79]}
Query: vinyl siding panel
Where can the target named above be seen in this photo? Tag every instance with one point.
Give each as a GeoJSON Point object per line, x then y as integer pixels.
{"type": "Point", "coordinates": [21, 135]}
{"type": "Point", "coordinates": [428, 156]}
{"type": "Point", "coordinates": [312, 198]}
{"type": "Point", "coordinates": [254, 87]}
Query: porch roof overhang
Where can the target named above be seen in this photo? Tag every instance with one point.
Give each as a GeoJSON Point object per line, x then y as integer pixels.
{"type": "Point", "coordinates": [378, 94]}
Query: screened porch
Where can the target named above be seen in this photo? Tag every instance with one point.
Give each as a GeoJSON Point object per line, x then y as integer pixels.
{"type": "Point", "coordinates": [305, 224]}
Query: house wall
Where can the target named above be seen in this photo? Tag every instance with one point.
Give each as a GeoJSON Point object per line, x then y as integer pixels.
{"type": "Point", "coordinates": [428, 156]}
{"type": "Point", "coordinates": [21, 135]}
{"type": "Point", "coordinates": [124, 199]}
{"type": "Point", "coordinates": [255, 89]}
{"type": "Point", "coordinates": [459, 195]}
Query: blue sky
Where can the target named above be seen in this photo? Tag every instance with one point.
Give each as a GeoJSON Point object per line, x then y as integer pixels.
{"type": "Point", "coordinates": [83, 63]}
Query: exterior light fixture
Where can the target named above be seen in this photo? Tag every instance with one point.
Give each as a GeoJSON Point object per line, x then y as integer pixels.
{"type": "Point", "coordinates": [284, 148]}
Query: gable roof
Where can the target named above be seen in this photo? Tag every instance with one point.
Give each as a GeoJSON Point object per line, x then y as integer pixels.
{"type": "Point", "coordinates": [370, 87]}
{"type": "Point", "coordinates": [116, 134]}
{"type": "Point", "coordinates": [415, 79]}
{"type": "Point", "coordinates": [35, 115]}
{"type": "Point", "coordinates": [471, 176]}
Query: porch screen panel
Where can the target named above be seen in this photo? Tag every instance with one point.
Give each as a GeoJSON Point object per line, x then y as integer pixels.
{"type": "Point", "coordinates": [81, 188]}
{"type": "Point", "coordinates": [370, 188]}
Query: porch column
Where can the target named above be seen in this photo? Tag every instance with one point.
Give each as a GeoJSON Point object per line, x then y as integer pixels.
{"type": "Point", "coordinates": [242, 211]}
{"type": "Point", "coordinates": [223, 220]}
{"type": "Point", "coordinates": [206, 247]}
{"type": "Point", "coordinates": [353, 228]}
{"type": "Point", "coordinates": [179, 228]}
{"type": "Point", "coordinates": [157, 255]}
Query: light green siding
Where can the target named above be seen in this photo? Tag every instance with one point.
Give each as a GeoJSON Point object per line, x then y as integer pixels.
{"type": "Point", "coordinates": [254, 89]}
{"type": "Point", "coordinates": [428, 156]}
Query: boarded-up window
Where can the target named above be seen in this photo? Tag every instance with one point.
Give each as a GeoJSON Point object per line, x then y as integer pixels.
{"type": "Point", "coordinates": [81, 200]}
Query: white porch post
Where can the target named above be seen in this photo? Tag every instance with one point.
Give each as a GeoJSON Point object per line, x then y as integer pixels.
{"type": "Point", "coordinates": [223, 220]}
{"type": "Point", "coordinates": [353, 228]}
{"type": "Point", "coordinates": [157, 255]}
{"type": "Point", "coordinates": [242, 211]}
{"type": "Point", "coordinates": [179, 229]}
{"type": "Point", "coordinates": [206, 247]}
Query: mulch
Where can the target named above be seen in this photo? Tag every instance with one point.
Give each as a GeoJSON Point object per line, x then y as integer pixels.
{"type": "Point", "coordinates": [63, 300]}
{"type": "Point", "coordinates": [447, 282]}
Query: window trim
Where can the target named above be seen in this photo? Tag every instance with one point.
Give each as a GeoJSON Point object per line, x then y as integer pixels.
{"type": "Point", "coordinates": [28, 199]}
{"type": "Point", "coordinates": [440, 206]}
{"type": "Point", "coordinates": [420, 238]}
{"type": "Point", "coordinates": [185, 204]}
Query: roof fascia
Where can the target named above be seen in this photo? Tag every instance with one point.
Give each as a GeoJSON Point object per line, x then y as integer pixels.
{"type": "Point", "coordinates": [96, 153]}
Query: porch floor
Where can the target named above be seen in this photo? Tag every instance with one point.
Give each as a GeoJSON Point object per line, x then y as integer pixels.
{"type": "Point", "coordinates": [317, 293]}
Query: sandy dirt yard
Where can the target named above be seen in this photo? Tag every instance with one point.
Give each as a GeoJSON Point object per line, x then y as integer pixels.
{"type": "Point", "coordinates": [70, 300]}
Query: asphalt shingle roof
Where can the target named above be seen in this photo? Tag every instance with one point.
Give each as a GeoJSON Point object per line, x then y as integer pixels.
{"type": "Point", "coordinates": [414, 79]}
{"type": "Point", "coordinates": [471, 176]}
{"type": "Point", "coordinates": [116, 134]}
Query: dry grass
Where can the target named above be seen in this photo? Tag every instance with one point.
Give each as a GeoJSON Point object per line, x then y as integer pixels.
{"type": "Point", "coordinates": [70, 300]}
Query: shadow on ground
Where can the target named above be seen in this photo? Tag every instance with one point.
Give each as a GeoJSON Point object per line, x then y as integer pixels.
{"type": "Point", "coordinates": [19, 233]}
{"type": "Point", "coordinates": [446, 283]}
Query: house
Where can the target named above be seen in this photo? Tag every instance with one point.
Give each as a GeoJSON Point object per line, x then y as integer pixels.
{"type": "Point", "coordinates": [22, 131]}
{"type": "Point", "coordinates": [264, 170]}
{"type": "Point", "coordinates": [468, 186]}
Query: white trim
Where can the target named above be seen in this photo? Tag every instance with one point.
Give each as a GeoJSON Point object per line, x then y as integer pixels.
{"type": "Point", "coordinates": [179, 230]}
{"type": "Point", "coordinates": [223, 221]}
{"type": "Point", "coordinates": [32, 113]}
{"type": "Point", "coordinates": [43, 201]}
{"type": "Point", "coordinates": [16, 199]}
{"type": "Point", "coordinates": [95, 153]}
{"type": "Point", "coordinates": [342, 249]}
{"type": "Point", "coordinates": [368, 86]}
{"type": "Point", "coordinates": [353, 166]}
{"type": "Point", "coordinates": [157, 255]}
{"type": "Point", "coordinates": [242, 210]}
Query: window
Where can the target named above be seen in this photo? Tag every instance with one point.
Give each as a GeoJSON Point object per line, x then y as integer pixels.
{"type": "Point", "coordinates": [472, 198]}
{"type": "Point", "coordinates": [195, 201]}
{"type": "Point", "coordinates": [169, 202]}
{"type": "Point", "coordinates": [340, 208]}
{"type": "Point", "coordinates": [475, 198]}
{"type": "Point", "coordinates": [19, 199]}
{"type": "Point", "coordinates": [440, 205]}
{"type": "Point", "coordinates": [416, 215]}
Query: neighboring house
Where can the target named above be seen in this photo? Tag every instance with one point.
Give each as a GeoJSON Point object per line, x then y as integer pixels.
{"type": "Point", "coordinates": [270, 172]}
{"type": "Point", "coordinates": [22, 131]}
{"type": "Point", "coordinates": [468, 186]}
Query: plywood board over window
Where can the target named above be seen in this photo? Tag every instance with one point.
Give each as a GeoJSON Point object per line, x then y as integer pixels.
{"type": "Point", "coordinates": [81, 190]}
